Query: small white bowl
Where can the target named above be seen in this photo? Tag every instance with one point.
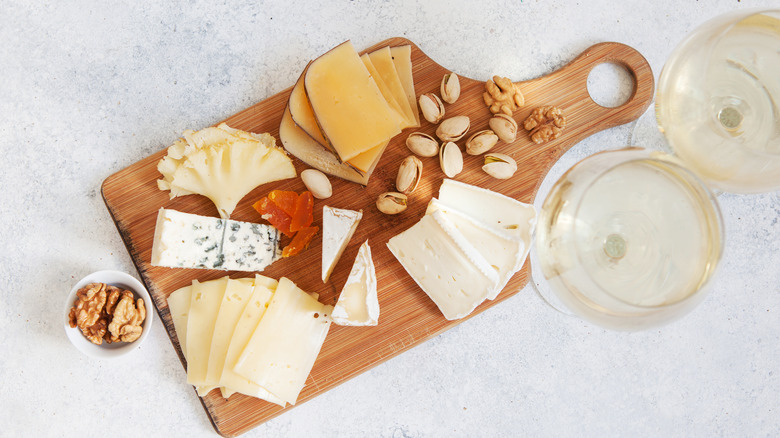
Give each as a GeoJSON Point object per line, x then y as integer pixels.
{"type": "Point", "coordinates": [115, 349]}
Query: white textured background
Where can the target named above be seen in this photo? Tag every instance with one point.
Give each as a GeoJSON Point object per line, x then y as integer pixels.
{"type": "Point", "coordinates": [88, 88]}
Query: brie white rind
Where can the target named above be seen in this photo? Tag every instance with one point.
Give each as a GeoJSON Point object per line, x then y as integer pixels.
{"type": "Point", "coordinates": [358, 303]}
{"type": "Point", "coordinates": [445, 265]}
{"type": "Point", "coordinates": [338, 226]}
{"type": "Point", "coordinates": [505, 253]}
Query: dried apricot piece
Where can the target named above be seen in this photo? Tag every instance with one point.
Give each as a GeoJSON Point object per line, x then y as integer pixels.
{"type": "Point", "coordinates": [300, 241]}
{"type": "Point", "coordinates": [284, 199]}
{"type": "Point", "coordinates": [304, 212]}
{"type": "Point", "coordinates": [275, 215]}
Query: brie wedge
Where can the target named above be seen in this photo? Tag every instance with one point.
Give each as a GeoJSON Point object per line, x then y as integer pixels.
{"type": "Point", "coordinates": [358, 304]}
{"type": "Point", "coordinates": [338, 226]}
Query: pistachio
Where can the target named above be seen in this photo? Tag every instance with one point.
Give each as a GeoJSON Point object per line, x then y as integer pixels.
{"type": "Point", "coordinates": [422, 144]}
{"type": "Point", "coordinates": [454, 128]}
{"type": "Point", "coordinates": [317, 183]}
{"type": "Point", "coordinates": [481, 142]}
{"type": "Point", "coordinates": [431, 107]}
{"type": "Point", "coordinates": [409, 175]}
{"type": "Point", "coordinates": [391, 202]}
{"type": "Point", "coordinates": [499, 166]}
{"type": "Point", "coordinates": [450, 159]}
{"type": "Point", "coordinates": [450, 88]}
{"type": "Point", "coordinates": [504, 126]}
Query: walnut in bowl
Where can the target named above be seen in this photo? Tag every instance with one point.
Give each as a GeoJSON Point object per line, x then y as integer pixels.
{"type": "Point", "coordinates": [108, 314]}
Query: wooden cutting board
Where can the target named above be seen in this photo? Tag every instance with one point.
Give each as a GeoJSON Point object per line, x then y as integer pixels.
{"type": "Point", "coordinates": [408, 316]}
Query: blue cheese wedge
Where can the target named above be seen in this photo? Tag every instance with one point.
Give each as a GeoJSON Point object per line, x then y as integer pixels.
{"type": "Point", "coordinates": [358, 303]}
{"type": "Point", "coordinates": [183, 240]}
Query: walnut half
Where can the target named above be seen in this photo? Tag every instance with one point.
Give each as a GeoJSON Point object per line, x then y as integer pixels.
{"type": "Point", "coordinates": [545, 123]}
{"type": "Point", "coordinates": [502, 96]}
{"type": "Point", "coordinates": [107, 313]}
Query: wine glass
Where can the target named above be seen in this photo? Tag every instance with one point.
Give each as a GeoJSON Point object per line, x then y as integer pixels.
{"type": "Point", "coordinates": [717, 102]}
{"type": "Point", "coordinates": [629, 239]}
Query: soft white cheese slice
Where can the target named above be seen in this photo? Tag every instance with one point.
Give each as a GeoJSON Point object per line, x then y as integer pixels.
{"type": "Point", "coordinates": [445, 265]}
{"type": "Point", "coordinates": [338, 226]}
{"type": "Point", "coordinates": [358, 303]}
{"type": "Point", "coordinates": [282, 350]}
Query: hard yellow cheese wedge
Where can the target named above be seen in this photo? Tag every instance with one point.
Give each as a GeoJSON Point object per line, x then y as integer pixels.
{"type": "Point", "coordinates": [302, 114]}
{"type": "Point", "coordinates": [383, 61]}
{"type": "Point", "coordinates": [402, 58]}
{"type": "Point", "coordinates": [386, 92]}
{"type": "Point", "coordinates": [351, 111]}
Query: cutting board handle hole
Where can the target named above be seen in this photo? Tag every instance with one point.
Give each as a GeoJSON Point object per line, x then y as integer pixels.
{"type": "Point", "coordinates": [611, 84]}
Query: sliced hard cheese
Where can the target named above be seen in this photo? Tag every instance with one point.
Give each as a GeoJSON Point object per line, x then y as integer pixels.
{"type": "Point", "coordinates": [281, 352]}
{"type": "Point", "coordinates": [338, 226]}
{"type": "Point", "coordinates": [504, 253]}
{"type": "Point", "coordinates": [246, 325]}
{"type": "Point", "coordinates": [358, 303]}
{"type": "Point", "coordinates": [386, 92]}
{"type": "Point", "coordinates": [179, 307]}
{"type": "Point", "coordinates": [204, 307]}
{"type": "Point", "coordinates": [300, 144]}
{"type": "Point", "coordinates": [367, 160]}
{"type": "Point", "coordinates": [351, 111]}
{"type": "Point", "coordinates": [445, 265]}
{"type": "Point", "coordinates": [234, 300]}
{"type": "Point", "coordinates": [402, 58]}
{"type": "Point", "coordinates": [302, 113]}
{"type": "Point", "coordinates": [383, 61]}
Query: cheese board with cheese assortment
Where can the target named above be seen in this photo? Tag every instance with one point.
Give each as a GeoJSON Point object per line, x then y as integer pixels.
{"type": "Point", "coordinates": [276, 285]}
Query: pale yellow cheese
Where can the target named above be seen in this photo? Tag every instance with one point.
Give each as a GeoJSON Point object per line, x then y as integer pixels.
{"type": "Point", "coordinates": [179, 307]}
{"type": "Point", "coordinates": [389, 97]}
{"type": "Point", "coordinates": [351, 111]}
{"type": "Point", "coordinates": [302, 113]}
{"type": "Point", "coordinates": [402, 58]}
{"type": "Point", "coordinates": [234, 300]}
{"type": "Point", "coordinates": [281, 352]}
{"type": "Point", "coordinates": [204, 307]}
{"type": "Point", "coordinates": [368, 159]}
{"type": "Point", "coordinates": [383, 61]}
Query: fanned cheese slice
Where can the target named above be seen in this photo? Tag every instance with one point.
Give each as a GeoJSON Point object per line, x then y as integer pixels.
{"type": "Point", "coordinates": [234, 300]}
{"type": "Point", "coordinates": [358, 303]}
{"type": "Point", "coordinates": [351, 111]}
{"type": "Point", "coordinates": [445, 265]}
{"type": "Point", "coordinates": [179, 307]}
{"type": "Point", "coordinates": [282, 350]}
{"type": "Point", "coordinates": [386, 92]}
{"type": "Point", "coordinates": [302, 113]}
{"type": "Point", "coordinates": [402, 58]}
{"type": "Point", "coordinates": [338, 226]}
{"type": "Point", "coordinates": [367, 160]}
{"type": "Point", "coordinates": [383, 61]}
{"type": "Point", "coordinates": [204, 307]}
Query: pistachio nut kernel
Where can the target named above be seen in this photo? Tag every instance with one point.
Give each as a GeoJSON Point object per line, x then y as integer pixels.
{"type": "Point", "coordinates": [450, 87]}
{"type": "Point", "coordinates": [422, 144]}
{"type": "Point", "coordinates": [391, 202]}
{"type": "Point", "coordinates": [500, 166]}
{"type": "Point", "coordinates": [481, 142]}
{"type": "Point", "coordinates": [409, 175]}
{"type": "Point", "coordinates": [450, 159]}
{"type": "Point", "coordinates": [431, 107]}
{"type": "Point", "coordinates": [504, 126]}
{"type": "Point", "coordinates": [454, 128]}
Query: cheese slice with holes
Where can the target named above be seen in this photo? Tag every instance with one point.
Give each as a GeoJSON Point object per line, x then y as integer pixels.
{"type": "Point", "coordinates": [402, 58]}
{"type": "Point", "coordinates": [204, 307]}
{"type": "Point", "coordinates": [445, 265]}
{"type": "Point", "coordinates": [338, 226]}
{"type": "Point", "coordinates": [383, 61]}
{"type": "Point", "coordinates": [351, 111]}
{"type": "Point", "coordinates": [283, 348]}
{"type": "Point", "coordinates": [358, 302]}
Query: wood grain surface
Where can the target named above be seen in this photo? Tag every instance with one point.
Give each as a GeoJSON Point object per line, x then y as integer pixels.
{"type": "Point", "coordinates": [408, 316]}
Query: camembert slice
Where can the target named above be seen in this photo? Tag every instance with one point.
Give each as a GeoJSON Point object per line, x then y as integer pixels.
{"type": "Point", "coordinates": [445, 265]}
{"type": "Point", "coordinates": [338, 226]}
{"type": "Point", "coordinates": [358, 303]}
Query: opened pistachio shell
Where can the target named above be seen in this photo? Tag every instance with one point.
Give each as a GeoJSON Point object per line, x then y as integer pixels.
{"type": "Point", "coordinates": [450, 159]}
{"type": "Point", "coordinates": [409, 175]}
{"type": "Point", "coordinates": [422, 144]}
{"type": "Point", "coordinates": [454, 128]}
{"type": "Point", "coordinates": [431, 107]}
{"type": "Point", "coordinates": [317, 183]}
{"type": "Point", "coordinates": [504, 126]}
{"type": "Point", "coordinates": [481, 142]}
{"type": "Point", "coordinates": [391, 202]}
{"type": "Point", "coordinates": [450, 88]}
{"type": "Point", "coordinates": [499, 166]}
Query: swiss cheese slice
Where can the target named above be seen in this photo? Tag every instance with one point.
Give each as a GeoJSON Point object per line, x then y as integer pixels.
{"type": "Point", "coordinates": [338, 226]}
{"type": "Point", "coordinates": [402, 58]}
{"type": "Point", "coordinates": [358, 303]}
{"type": "Point", "coordinates": [351, 111]}
{"type": "Point", "coordinates": [282, 350]}
{"type": "Point", "coordinates": [383, 61]}
{"type": "Point", "coordinates": [386, 92]}
{"type": "Point", "coordinates": [204, 307]}
{"type": "Point", "coordinates": [234, 300]}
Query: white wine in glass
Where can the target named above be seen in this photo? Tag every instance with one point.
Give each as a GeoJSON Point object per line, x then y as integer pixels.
{"type": "Point", "coordinates": [718, 102]}
{"type": "Point", "coordinates": [629, 239]}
